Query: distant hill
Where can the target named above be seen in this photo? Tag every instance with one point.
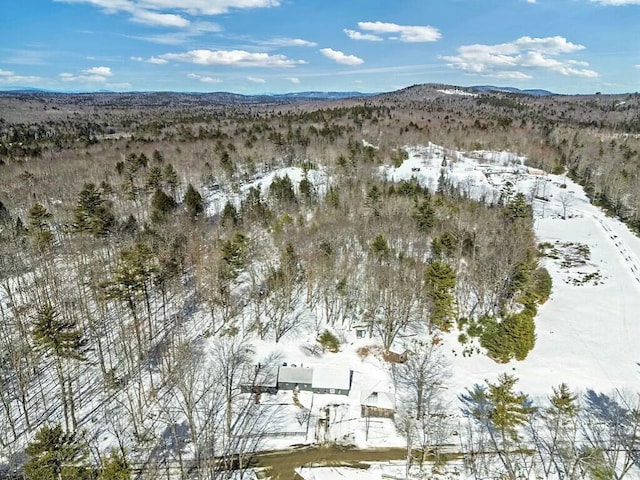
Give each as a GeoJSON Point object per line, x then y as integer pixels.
{"type": "Point", "coordinates": [24, 89]}
{"type": "Point", "coordinates": [324, 95]}
{"type": "Point", "coordinates": [492, 88]}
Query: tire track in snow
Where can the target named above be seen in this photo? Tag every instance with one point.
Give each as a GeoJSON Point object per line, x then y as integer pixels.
{"type": "Point", "coordinates": [627, 256]}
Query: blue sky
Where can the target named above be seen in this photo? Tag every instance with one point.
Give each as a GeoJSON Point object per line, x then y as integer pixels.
{"type": "Point", "coordinates": [258, 46]}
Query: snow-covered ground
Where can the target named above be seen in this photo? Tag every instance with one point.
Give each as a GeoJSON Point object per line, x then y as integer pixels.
{"type": "Point", "coordinates": [588, 332]}
{"type": "Point", "coordinates": [588, 335]}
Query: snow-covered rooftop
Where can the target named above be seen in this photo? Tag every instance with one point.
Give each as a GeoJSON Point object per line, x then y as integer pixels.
{"type": "Point", "coordinates": [379, 395]}
{"type": "Point", "coordinates": [332, 376]}
{"type": "Point", "coordinates": [295, 375]}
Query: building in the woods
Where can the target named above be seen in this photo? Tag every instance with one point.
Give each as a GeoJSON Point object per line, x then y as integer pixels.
{"type": "Point", "coordinates": [292, 378]}
{"type": "Point", "coordinates": [320, 379]}
{"type": "Point", "coordinates": [378, 400]}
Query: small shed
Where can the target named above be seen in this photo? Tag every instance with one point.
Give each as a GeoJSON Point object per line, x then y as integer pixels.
{"type": "Point", "coordinates": [360, 329]}
{"type": "Point", "coordinates": [378, 401]}
{"type": "Point", "coordinates": [331, 379]}
{"type": "Point", "coordinates": [291, 378]}
{"type": "Point", "coordinates": [393, 357]}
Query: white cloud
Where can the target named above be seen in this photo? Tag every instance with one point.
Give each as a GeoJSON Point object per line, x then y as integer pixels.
{"type": "Point", "coordinates": [340, 57]}
{"type": "Point", "coordinates": [204, 79]}
{"type": "Point", "coordinates": [159, 19]}
{"type": "Point", "coordinates": [100, 71]}
{"type": "Point", "coordinates": [551, 45]}
{"type": "Point", "coordinates": [409, 34]}
{"type": "Point", "coordinates": [256, 80]}
{"type": "Point", "coordinates": [532, 1]}
{"type": "Point", "coordinates": [9, 77]}
{"type": "Point", "coordinates": [354, 35]}
{"type": "Point", "coordinates": [233, 58]}
{"type": "Point", "coordinates": [288, 42]}
{"type": "Point", "coordinates": [89, 75]}
{"type": "Point", "coordinates": [70, 77]}
{"type": "Point", "coordinates": [159, 12]}
{"type": "Point", "coordinates": [152, 60]}
{"type": "Point", "coordinates": [506, 60]}
{"type": "Point", "coordinates": [207, 7]}
{"type": "Point", "coordinates": [616, 3]}
{"type": "Point", "coordinates": [512, 75]}
{"type": "Point", "coordinates": [181, 36]}
{"type": "Point", "coordinates": [294, 80]}
{"type": "Point", "coordinates": [157, 61]}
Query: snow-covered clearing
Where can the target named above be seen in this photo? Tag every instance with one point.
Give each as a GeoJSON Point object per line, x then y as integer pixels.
{"type": "Point", "coordinates": [456, 91]}
{"type": "Point", "coordinates": [587, 335]}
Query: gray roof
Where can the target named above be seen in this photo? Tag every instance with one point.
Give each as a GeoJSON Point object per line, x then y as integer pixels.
{"type": "Point", "coordinates": [295, 375]}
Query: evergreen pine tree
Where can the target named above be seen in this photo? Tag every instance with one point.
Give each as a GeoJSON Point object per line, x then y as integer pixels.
{"type": "Point", "coordinates": [234, 252]}
{"type": "Point", "coordinates": [161, 205]}
{"type": "Point", "coordinates": [154, 178]}
{"type": "Point", "coordinates": [563, 402]}
{"type": "Point", "coordinates": [115, 467]}
{"type": "Point", "coordinates": [39, 226]}
{"type": "Point", "coordinates": [5, 216]}
{"type": "Point", "coordinates": [509, 409]}
{"type": "Point", "coordinates": [157, 157]}
{"type": "Point", "coordinates": [306, 190]}
{"type": "Point", "coordinates": [91, 213]}
{"type": "Point", "coordinates": [424, 215]}
{"type": "Point", "coordinates": [143, 161]}
{"type": "Point", "coordinates": [55, 455]}
{"type": "Point", "coordinates": [170, 177]}
{"type": "Point", "coordinates": [500, 411]}
{"type": "Point", "coordinates": [60, 339]}
{"type": "Point", "coordinates": [519, 328]}
{"type": "Point", "coordinates": [229, 216]}
{"type": "Point", "coordinates": [373, 200]}
{"type": "Point", "coordinates": [380, 248]}
{"type": "Point", "coordinates": [440, 280]}
{"type": "Point", "coordinates": [281, 189]}
{"type": "Point", "coordinates": [517, 207]}
{"type": "Point", "coordinates": [193, 202]}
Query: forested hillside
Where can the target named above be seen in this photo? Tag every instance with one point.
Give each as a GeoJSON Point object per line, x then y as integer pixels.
{"type": "Point", "coordinates": [149, 244]}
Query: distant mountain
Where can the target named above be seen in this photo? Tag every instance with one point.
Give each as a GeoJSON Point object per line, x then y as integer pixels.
{"type": "Point", "coordinates": [492, 88]}
{"type": "Point", "coordinates": [323, 95]}
{"type": "Point", "coordinates": [24, 89]}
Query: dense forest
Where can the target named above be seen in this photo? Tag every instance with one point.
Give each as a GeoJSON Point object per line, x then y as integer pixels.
{"type": "Point", "coordinates": [135, 228]}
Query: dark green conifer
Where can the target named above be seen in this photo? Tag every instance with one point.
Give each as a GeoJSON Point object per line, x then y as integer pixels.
{"type": "Point", "coordinates": [193, 202]}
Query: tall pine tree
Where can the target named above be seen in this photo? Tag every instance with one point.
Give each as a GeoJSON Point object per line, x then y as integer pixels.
{"type": "Point", "coordinates": [440, 280]}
